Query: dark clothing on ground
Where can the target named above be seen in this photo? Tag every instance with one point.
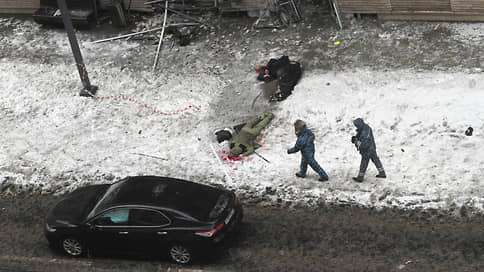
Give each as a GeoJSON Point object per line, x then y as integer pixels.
{"type": "Point", "coordinates": [305, 144]}
{"type": "Point", "coordinates": [286, 72]}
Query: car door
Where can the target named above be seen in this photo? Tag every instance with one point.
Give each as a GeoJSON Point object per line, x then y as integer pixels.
{"type": "Point", "coordinates": [109, 232]}
{"type": "Point", "coordinates": [148, 234]}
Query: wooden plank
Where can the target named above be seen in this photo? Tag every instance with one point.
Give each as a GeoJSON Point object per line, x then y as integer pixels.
{"type": "Point", "coordinates": [362, 6]}
{"type": "Point", "coordinates": [420, 5]}
{"type": "Point", "coordinates": [444, 16]}
{"type": "Point", "coordinates": [17, 10]}
{"type": "Point", "coordinates": [19, 4]}
{"type": "Point", "coordinates": [137, 5]}
{"type": "Point", "coordinates": [246, 5]}
{"type": "Point", "coordinates": [475, 6]}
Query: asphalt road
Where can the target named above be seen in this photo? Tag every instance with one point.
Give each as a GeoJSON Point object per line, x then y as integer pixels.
{"type": "Point", "coordinates": [275, 238]}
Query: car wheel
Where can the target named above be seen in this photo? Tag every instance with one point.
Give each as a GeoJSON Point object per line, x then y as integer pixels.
{"type": "Point", "coordinates": [72, 247]}
{"type": "Point", "coordinates": [180, 254]}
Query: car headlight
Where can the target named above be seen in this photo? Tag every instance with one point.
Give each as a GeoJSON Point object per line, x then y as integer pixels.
{"type": "Point", "coordinates": [49, 228]}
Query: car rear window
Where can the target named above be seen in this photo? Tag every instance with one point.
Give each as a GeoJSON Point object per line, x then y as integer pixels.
{"type": "Point", "coordinates": [220, 206]}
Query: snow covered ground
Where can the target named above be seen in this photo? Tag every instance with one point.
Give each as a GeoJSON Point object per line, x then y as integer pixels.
{"type": "Point", "coordinates": [56, 140]}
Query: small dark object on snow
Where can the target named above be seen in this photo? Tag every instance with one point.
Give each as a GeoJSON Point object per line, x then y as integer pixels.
{"type": "Point", "coordinates": [223, 135]}
{"type": "Point", "coordinates": [403, 150]}
{"type": "Point", "coordinates": [270, 190]}
{"type": "Point", "coordinates": [469, 131]}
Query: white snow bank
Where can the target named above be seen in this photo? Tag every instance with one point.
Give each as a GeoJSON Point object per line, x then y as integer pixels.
{"type": "Point", "coordinates": [56, 139]}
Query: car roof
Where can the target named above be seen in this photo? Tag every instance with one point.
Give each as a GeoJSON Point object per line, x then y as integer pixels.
{"type": "Point", "coordinates": [193, 199]}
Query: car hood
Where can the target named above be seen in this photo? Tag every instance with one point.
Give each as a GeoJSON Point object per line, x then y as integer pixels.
{"type": "Point", "coordinates": [73, 209]}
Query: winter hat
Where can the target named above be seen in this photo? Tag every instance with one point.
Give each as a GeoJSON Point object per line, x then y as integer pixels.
{"type": "Point", "coordinates": [298, 126]}
{"type": "Point", "coordinates": [358, 122]}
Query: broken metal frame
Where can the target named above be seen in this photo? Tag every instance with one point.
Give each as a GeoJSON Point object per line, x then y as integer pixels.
{"type": "Point", "coordinates": [188, 17]}
{"type": "Point", "coordinates": [142, 32]}
{"type": "Point", "coordinates": [294, 7]}
{"type": "Point", "coordinates": [334, 5]}
{"type": "Point", "coordinates": [89, 90]}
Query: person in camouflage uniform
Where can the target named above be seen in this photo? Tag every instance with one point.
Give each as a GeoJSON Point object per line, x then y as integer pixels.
{"type": "Point", "coordinates": [243, 141]}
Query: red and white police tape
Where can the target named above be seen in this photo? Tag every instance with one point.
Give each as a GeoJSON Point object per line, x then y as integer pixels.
{"type": "Point", "coordinates": [153, 109]}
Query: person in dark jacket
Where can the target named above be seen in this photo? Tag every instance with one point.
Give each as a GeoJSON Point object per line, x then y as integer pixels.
{"type": "Point", "coordinates": [365, 143]}
{"type": "Point", "coordinates": [305, 144]}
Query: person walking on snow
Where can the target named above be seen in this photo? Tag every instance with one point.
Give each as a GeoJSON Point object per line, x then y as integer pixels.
{"type": "Point", "coordinates": [365, 143]}
{"type": "Point", "coordinates": [305, 144]}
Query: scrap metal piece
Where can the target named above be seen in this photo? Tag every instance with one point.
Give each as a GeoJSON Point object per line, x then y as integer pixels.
{"type": "Point", "coordinates": [161, 38]}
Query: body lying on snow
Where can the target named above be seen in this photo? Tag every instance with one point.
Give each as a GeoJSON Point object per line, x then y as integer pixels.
{"type": "Point", "coordinates": [241, 142]}
{"type": "Point", "coordinates": [285, 71]}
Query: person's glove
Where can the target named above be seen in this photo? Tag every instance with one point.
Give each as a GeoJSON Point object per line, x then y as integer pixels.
{"type": "Point", "coordinates": [353, 139]}
{"type": "Point", "coordinates": [288, 151]}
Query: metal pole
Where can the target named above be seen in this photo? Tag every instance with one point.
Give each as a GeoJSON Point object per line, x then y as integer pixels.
{"type": "Point", "coordinates": [161, 38]}
{"type": "Point", "coordinates": [151, 156]}
{"type": "Point", "coordinates": [89, 90]}
{"type": "Point", "coordinates": [142, 32]}
{"type": "Point", "coordinates": [261, 157]}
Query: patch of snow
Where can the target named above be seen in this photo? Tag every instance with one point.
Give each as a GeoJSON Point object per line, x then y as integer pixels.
{"type": "Point", "coordinates": [56, 139]}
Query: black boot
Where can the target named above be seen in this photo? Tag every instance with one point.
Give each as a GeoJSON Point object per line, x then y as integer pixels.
{"type": "Point", "coordinates": [358, 179]}
{"type": "Point", "coordinates": [381, 173]}
{"type": "Point", "coordinates": [321, 178]}
{"type": "Point", "coordinates": [299, 175]}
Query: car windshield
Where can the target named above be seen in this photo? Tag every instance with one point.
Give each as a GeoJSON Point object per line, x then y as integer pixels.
{"type": "Point", "coordinates": [110, 194]}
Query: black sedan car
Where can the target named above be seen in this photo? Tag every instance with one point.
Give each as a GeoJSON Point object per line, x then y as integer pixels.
{"type": "Point", "coordinates": [145, 215]}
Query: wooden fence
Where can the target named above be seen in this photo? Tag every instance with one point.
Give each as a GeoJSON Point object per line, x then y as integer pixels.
{"type": "Point", "coordinates": [461, 10]}
{"type": "Point", "coordinates": [19, 6]}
